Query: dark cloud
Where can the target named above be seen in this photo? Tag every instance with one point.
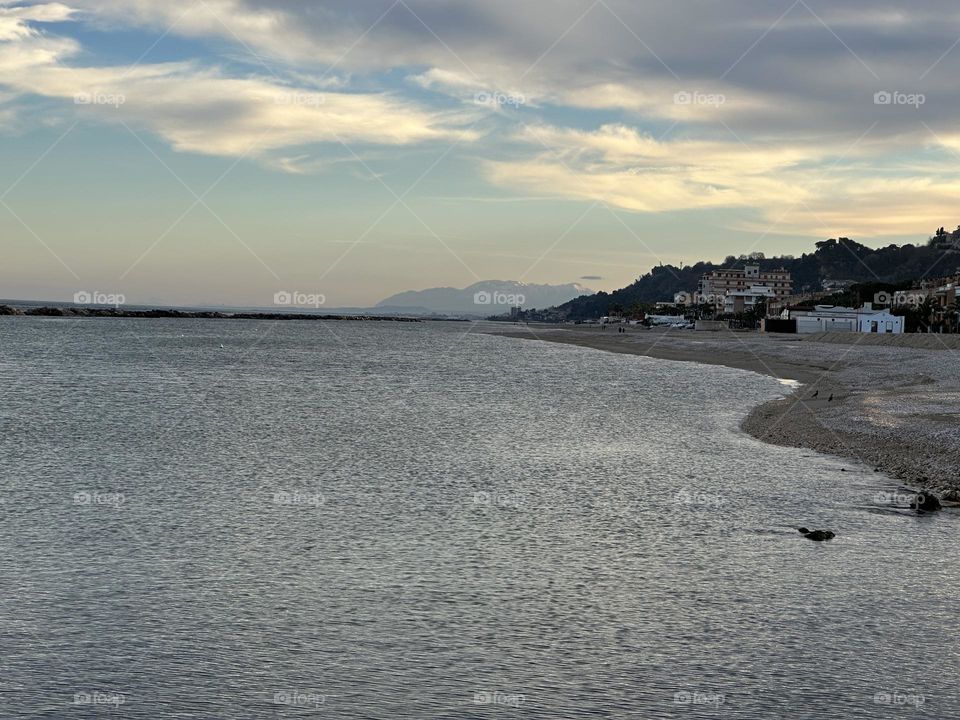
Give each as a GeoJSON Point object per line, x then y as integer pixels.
{"type": "Point", "coordinates": [786, 70]}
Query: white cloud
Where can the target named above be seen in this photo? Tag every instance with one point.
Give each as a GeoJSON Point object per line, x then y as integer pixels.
{"type": "Point", "coordinates": [775, 111]}
{"type": "Point", "coordinates": [621, 166]}
{"type": "Point", "coordinates": [792, 186]}
{"type": "Point", "coordinates": [201, 110]}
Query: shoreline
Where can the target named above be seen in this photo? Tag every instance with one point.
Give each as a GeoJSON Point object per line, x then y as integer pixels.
{"type": "Point", "coordinates": [902, 423]}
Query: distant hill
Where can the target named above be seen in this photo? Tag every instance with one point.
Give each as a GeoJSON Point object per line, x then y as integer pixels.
{"type": "Point", "coordinates": [840, 261]}
{"type": "Point", "coordinates": [493, 297]}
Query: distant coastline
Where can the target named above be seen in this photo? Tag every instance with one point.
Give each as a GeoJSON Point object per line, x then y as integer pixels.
{"type": "Point", "coordinates": [891, 406]}
{"type": "Point", "coordinates": [121, 312]}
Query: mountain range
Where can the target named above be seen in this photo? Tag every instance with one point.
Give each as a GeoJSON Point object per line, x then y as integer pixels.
{"type": "Point", "coordinates": [482, 299]}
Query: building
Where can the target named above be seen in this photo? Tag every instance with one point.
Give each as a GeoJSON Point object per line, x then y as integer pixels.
{"type": "Point", "coordinates": [941, 292]}
{"type": "Point", "coordinates": [936, 298]}
{"type": "Point", "coordinates": [739, 301]}
{"type": "Point", "coordinates": [946, 241]}
{"type": "Point", "coordinates": [833, 318]}
{"type": "Point", "coordinates": [835, 286]}
{"type": "Point", "coordinates": [742, 285]}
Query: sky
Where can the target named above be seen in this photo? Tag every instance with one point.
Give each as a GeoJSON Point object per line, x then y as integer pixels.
{"type": "Point", "coordinates": [224, 151]}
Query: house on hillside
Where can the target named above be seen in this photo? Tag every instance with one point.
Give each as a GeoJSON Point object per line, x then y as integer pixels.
{"type": "Point", "coordinates": [946, 241]}
{"type": "Point", "coordinates": [941, 292]}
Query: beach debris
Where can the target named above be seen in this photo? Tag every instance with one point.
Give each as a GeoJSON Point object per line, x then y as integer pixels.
{"type": "Point", "coordinates": [925, 502]}
{"type": "Point", "coordinates": [817, 535]}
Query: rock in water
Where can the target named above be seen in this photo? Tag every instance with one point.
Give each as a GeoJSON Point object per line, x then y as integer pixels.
{"type": "Point", "coordinates": [817, 535]}
{"type": "Point", "coordinates": [951, 495]}
{"type": "Point", "coordinates": [926, 502]}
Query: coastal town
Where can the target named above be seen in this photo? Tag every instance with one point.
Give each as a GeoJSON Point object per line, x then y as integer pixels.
{"type": "Point", "coordinates": [749, 294]}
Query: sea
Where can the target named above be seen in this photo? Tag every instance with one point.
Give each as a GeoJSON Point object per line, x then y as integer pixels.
{"type": "Point", "coordinates": [246, 519]}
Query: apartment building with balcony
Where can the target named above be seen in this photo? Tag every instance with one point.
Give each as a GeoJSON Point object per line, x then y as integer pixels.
{"type": "Point", "coordinates": [732, 290]}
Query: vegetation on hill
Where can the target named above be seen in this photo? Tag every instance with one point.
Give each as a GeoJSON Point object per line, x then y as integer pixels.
{"type": "Point", "coordinates": [842, 261]}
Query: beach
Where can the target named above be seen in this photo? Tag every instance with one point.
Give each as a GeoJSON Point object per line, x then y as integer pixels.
{"type": "Point", "coordinates": [889, 402]}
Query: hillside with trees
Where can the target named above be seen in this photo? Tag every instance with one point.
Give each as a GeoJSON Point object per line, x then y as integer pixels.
{"type": "Point", "coordinates": [839, 261]}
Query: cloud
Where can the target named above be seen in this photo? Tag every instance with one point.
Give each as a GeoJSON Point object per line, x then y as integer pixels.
{"type": "Point", "coordinates": [794, 188]}
{"type": "Point", "coordinates": [14, 20]}
{"type": "Point", "coordinates": [472, 89]}
{"type": "Point", "coordinates": [621, 166]}
{"type": "Point", "coordinates": [626, 103]}
{"type": "Point", "coordinates": [616, 54]}
{"type": "Point", "coordinates": [200, 109]}
{"type": "Point", "coordinates": [868, 207]}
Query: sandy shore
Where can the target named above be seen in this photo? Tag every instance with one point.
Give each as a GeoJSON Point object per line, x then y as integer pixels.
{"type": "Point", "coordinates": [895, 400]}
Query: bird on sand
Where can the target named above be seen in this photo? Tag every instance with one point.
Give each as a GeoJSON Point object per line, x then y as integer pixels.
{"type": "Point", "coordinates": [830, 399]}
{"type": "Point", "coordinates": [815, 393]}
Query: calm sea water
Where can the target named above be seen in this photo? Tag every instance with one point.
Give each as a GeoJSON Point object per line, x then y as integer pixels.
{"type": "Point", "coordinates": [349, 520]}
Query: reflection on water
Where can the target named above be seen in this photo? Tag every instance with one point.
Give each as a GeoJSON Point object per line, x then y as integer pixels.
{"type": "Point", "coordinates": [362, 520]}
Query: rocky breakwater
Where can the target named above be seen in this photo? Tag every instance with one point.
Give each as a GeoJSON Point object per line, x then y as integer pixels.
{"type": "Point", "coordinates": [112, 312]}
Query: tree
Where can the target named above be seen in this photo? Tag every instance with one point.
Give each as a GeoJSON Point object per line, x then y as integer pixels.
{"type": "Point", "coordinates": [753, 316]}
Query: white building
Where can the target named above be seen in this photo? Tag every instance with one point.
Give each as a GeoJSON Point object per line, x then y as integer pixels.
{"type": "Point", "coordinates": [832, 318]}
{"type": "Point", "coordinates": [738, 301]}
